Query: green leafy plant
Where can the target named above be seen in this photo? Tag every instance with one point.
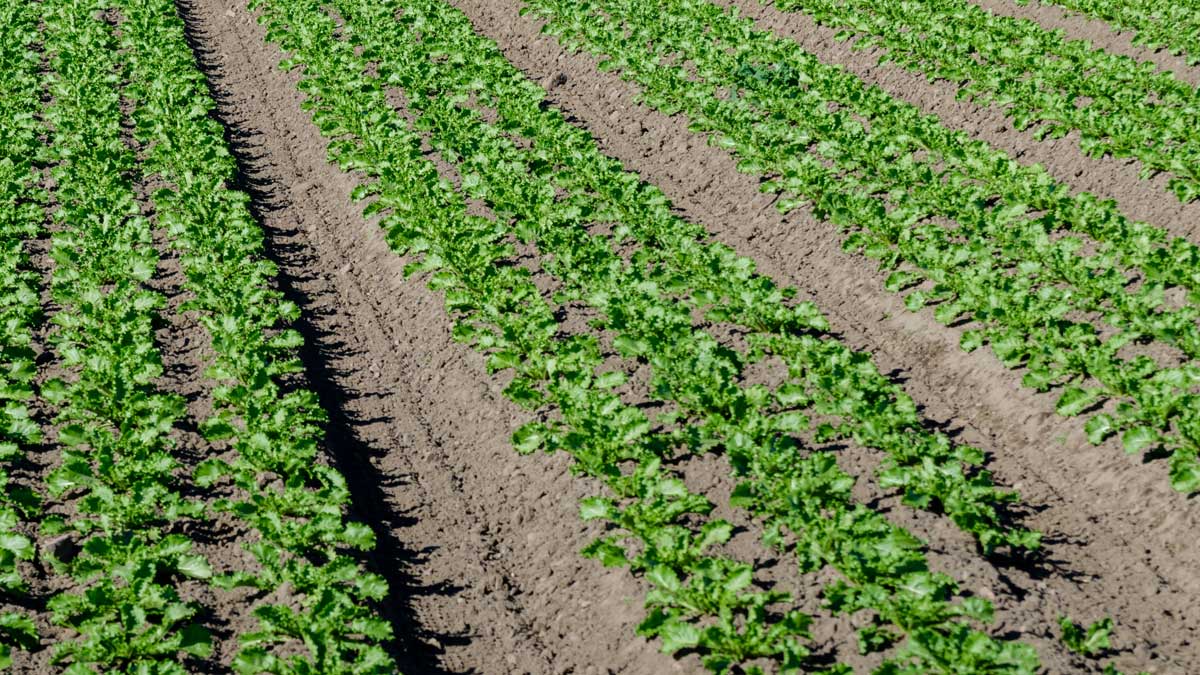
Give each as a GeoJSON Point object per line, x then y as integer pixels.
{"type": "Point", "coordinates": [325, 613]}
{"type": "Point", "coordinates": [22, 213]}
{"type": "Point", "coordinates": [112, 422]}
{"type": "Point", "coordinates": [1088, 642]}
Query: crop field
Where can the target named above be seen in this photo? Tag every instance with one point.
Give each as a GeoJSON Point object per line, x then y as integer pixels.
{"type": "Point", "coordinates": [367, 337]}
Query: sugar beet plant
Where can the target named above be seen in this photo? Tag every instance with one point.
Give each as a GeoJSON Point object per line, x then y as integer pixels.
{"type": "Point", "coordinates": [1024, 259]}
{"type": "Point", "coordinates": [129, 567]}
{"type": "Point", "coordinates": [22, 214]}
{"type": "Point", "coordinates": [548, 195]}
{"type": "Point", "coordinates": [112, 421]}
{"type": "Point", "coordinates": [1131, 109]}
{"type": "Point", "coordinates": [293, 503]}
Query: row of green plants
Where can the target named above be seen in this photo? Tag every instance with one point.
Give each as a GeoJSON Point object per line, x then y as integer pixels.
{"type": "Point", "coordinates": [22, 215]}
{"type": "Point", "coordinates": [120, 469]}
{"type": "Point", "coordinates": [318, 609]}
{"type": "Point", "coordinates": [125, 553]}
{"type": "Point", "coordinates": [1174, 26]}
{"type": "Point", "coordinates": [1121, 108]}
{"type": "Point", "coordinates": [123, 505]}
{"type": "Point", "coordinates": [641, 284]}
{"type": "Point", "coordinates": [1062, 287]}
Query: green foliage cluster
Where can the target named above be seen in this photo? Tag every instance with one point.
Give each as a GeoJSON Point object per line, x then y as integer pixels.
{"type": "Point", "coordinates": [643, 281]}
{"type": "Point", "coordinates": [127, 548]}
{"type": "Point", "coordinates": [294, 503]}
{"type": "Point", "coordinates": [1120, 107]}
{"type": "Point", "coordinates": [1031, 270]}
{"type": "Point", "coordinates": [113, 423]}
{"type": "Point", "coordinates": [22, 213]}
{"type": "Point", "coordinates": [1090, 641]}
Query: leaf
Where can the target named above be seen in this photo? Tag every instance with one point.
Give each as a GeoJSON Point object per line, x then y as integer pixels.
{"type": "Point", "coordinates": [594, 508]}
{"type": "Point", "coordinates": [253, 661]}
{"type": "Point", "coordinates": [739, 580]}
{"type": "Point", "coordinates": [73, 435]}
{"type": "Point", "coordinates": [359, 535]}
{"type": "Point", "coordinates": [1137, 439]}
{"type": "Point", "coordinates": [979, 609]}
{"type": "Point", "coordinates": [971, 340]}
{"type": "Point", "coordinates": [210, 471]}
{"type": "Point", "coordinates": [217, 429]}
{"type": "Point", "coordinates": [664, 577]}
{"type": "Point", "coordinates": [1185, 472]}
{"type": "Point", "coordinates": [194, 566]}
{"type": "Point", "coordinates": [629, 347]}
{"type": "Point", "coordinates": [614, 378]}
{"type": "Point", "coordinates": [677, 635]}
{"type": "Point", "coordinates": [1075, 400]}
{"type": "Point", "coordinates": [791, 395]}
{"type": "Point", "coordinates": [20, 546]}
{"type": "Point", "coordinates": [372, 586]}
{"type": "Point", "coordinates": [742, 496]}
{"type": "Point", "coordinates": [196, 640]}
{"type": "Point", "coordinates": [1099, 428]}
{"type": "Point", "coordinates": [714, 532]}
{"type": "Point", "coordinates": [529, 437]}
{"type": "Point", "coordinates": [607, 552]}
{"type": "Point", "coordinates": [790, 423]}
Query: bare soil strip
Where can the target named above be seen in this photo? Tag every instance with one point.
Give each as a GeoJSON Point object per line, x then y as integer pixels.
{"type": "Point", "coordinates": [480, 544]}
{"type": "Point", "coordinates": [1116, 530]}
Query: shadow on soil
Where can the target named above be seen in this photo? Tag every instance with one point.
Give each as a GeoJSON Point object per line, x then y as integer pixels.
{"type": "Point", "coordinates": [415, 648]}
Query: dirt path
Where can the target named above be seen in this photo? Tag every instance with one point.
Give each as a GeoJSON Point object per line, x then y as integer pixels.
{"type": "Point", "coordinates": [1115, 527]}
{"type": "Point", "coordinates": [480, 545]}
